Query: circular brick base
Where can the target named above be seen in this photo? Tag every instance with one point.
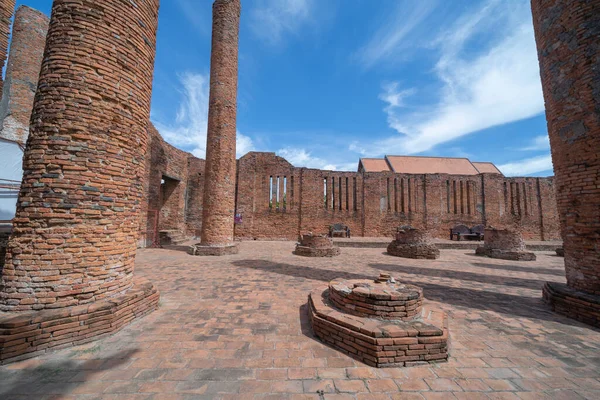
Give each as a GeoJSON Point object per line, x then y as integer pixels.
{"type": "Point", "coordinates": [317, 252]}
{"type": "Point", "coordinates": [29, 334]}
{"type": "Point", "coordinates": [200, 250]}
{"type": "Point", "coordinates": [416, 251]}
{"type": "Point", "coordinates": [572, 303]}
{"type": "Point", "coordinates": [506, 255]}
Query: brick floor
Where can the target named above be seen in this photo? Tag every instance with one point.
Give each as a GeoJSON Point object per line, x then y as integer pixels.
{"type": "Point", "coordinates": [236, 328]}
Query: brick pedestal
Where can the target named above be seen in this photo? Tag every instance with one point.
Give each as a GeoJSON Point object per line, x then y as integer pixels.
{"type": "Point", "coordinates": [505, 244]}
{"type": "Point", "coordinates": [220, 171]}
{"type": "Point", "coordinates": [566, 33]}
{"type": "Point", "coordinates": [316, 246]}
{"type": "Point", "coordinates": [380, 323]}
{"type": "Point", "coordinates": [413, 243]}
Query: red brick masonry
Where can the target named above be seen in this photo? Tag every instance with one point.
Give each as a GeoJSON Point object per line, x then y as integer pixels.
{"type": "Point", "coordinates": [316, 246]}
{"type": "Point", "coordinates": [505, 244]}
{"type": "Point", "coordinates": [377, 342]}
{"type": "Point", "coordinates": [573, 303]}
{"type": "Point", "coordinates": [26, 335]}
{"type": "Point", "coordinates": [413, 243]}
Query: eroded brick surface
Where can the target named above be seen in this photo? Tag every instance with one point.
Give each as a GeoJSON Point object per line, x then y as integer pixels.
{"type": "Point", "coordinates": [7, 8]}
{"type": "Point", "coordinates": [75, 232]}
{"type": "Point", "coordinates": [567, 34]}
{"type": "Point", "coordinates": [24, 63]}
{"type": "Point", "coordinates": [237, 328]}
{"type": "Point", "coordinates": [220, 167]}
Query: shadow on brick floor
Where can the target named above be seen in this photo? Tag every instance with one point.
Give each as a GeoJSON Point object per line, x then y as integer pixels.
{"type": "Point", "coordinates": [510, 304]}
{"type": "Point", "coordinates": [56, 377]}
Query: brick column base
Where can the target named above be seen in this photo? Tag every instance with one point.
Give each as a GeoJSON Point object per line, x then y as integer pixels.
{"type": "Point", "coordinates": [572, 303]}
{"type": "Point", "coordinates": [29, 334]}
{"type": "Point", "coordinates": [205, 250]}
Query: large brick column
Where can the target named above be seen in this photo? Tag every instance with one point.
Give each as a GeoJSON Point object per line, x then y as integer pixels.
{"type": "Point", "coordinates": [75, 231]}
{"type": "Point", "coordinates": [220, 173]}
{"type": "Point", "coordinates": [567, 33]}
{"type": "Point", "coordinates": [26, 52]}
{"type": "Point", "coordinates": [7, 8]}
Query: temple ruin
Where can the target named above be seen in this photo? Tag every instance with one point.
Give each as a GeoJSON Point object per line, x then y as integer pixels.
{"type": "Point", "coordinates": [99, 182]}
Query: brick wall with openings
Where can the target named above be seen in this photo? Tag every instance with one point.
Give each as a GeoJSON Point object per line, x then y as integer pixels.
{"type": "Point", "coordinates": [267, 197]}
{"type": "Point", "coordinates": [26, 52]}
{"type": "Point", "coordinates": [76, 226]}
{"type": "Point", "coordinates": [567, 34]}
{"type": "Point", "coordinates": [7, 8]}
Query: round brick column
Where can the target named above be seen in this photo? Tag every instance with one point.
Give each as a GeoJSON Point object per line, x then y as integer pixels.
{"type": "Point", "coordinates": [75, 231]}
{"type": "Point", "coordinates": [220, 175]}
{"type": "Point", "coordinates": [7, 8]}
{"type": "Point", "coordinates": [567, 33]}
{"type": "Point", "coordinates": [26, 53]}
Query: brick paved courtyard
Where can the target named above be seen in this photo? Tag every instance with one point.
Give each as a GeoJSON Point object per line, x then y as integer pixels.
{"type": "Point", "coordinates": [236, 328]}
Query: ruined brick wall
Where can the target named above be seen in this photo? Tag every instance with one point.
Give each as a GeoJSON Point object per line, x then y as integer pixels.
{"type": "Point", "coordinates": [173, 186]}
{"type": "Point", "coordinates": [7, 8]}
{"type": "Point", "coordinates": [375, 204]}
{"type": "Point", "coordinates": [327, 198]}
{"type": "Point", "coordinates": [567, 33]}
{"type": "Point", "coordinates": [24, 63]}
{"type": "Point", "coordinates": [267, 197]}
{"type": "Point", "coordinates": [75, 231]}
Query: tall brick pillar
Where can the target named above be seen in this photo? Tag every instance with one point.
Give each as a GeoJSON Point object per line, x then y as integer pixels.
{"type": "Point", "coordinates": [7, 8]}
{"type": "Point", "coordinates": [25, 60]}
{"type": "Point", "coordinates": [567, 33]}
{"type": "Point", "coordinates": [220, 174]}
{"type": "Point", "coordinates": [74, 238]}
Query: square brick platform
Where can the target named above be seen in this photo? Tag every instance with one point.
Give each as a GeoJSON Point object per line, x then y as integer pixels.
{"type": "Point", "coordinates": [237, 327]}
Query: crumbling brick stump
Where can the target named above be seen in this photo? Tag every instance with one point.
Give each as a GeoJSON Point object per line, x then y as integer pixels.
{"type": "Point", "coordinates": [381, 323]}
{"type": "Point", "coordinates": [413, 243]}
{"type": "Point", "coordinates": [316, 246]}
{"type": "Point", "coordinates": [213, 250]}
{"type": "Point", "coordinates": [504, 244]}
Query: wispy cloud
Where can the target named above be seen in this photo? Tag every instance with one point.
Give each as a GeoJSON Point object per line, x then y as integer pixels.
{"type": "Point", "coordinates": [393, 36]}
{"type": "Point", "coordinates": [538, 143]}
{"type": "Point", "coordinates": [300, 157]}
{"type": "Point", "coordinates": [492, 83]}
{"type": "Point", "coordinates": [188, 130]}
{"type": "Point", "coordinates": [527, 166]}
{"type": "Point", "coordinates": [270, 20]}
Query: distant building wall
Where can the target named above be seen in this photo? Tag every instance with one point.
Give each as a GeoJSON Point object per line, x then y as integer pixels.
{"type": "Point", "coordinates": [26, 53]}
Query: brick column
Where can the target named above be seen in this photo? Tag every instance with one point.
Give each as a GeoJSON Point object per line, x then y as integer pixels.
{"type": "Point", "coordinates": [75, 230]}
{"type": "Point", "coordinates": [220, 175]}
{"type": "Point", "coordinates": [7, 8]}
{"type": "Point", "coordinates": [26, 52]}
{"type": "Point", "coordinates": [567, 33]}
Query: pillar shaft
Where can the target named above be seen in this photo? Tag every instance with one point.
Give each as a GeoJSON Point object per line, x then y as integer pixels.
{"type": "Point", "coordinates": [7, 8]}
{"type": "Point", "coordinates": [220, 175]}
{"type": "Point", "coordinates": [75, 230]}
{"type": "Point", "coordinates": [567, 33]}
{"type": "Point", "coordinates": [25, 60]}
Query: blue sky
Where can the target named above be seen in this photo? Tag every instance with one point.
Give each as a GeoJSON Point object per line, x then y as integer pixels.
{"type": "Point", "coordinates": [325, 82]}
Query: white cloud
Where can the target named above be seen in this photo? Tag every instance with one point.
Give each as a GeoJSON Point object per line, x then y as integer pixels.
{"type": "Point", "coordinates": [496, 85]}
{"type": "Point", "coordinates": [392, 36]}
{"type": "Point", "coordinates": [299, 157]}
{"type": "Point", "coordinates": [538, 143]}
{"type": "Point", "coordinates": [272, 19]}
{"type": "Point", "coordinates": [188, 131]}
{"type": "Point", "coordinates": [527, 166]}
